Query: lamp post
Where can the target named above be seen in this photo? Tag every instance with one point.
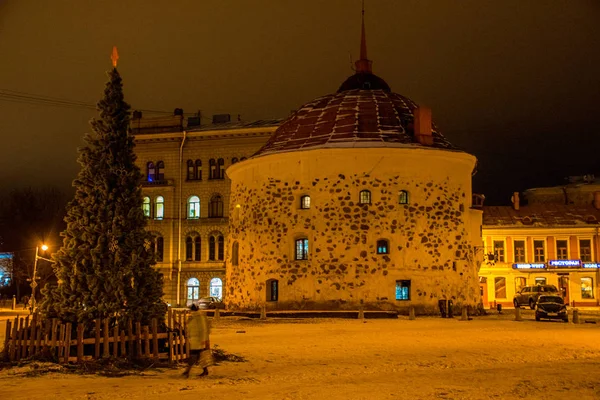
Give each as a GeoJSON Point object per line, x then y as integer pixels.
{"type": "Point", "coordinates": [33, 282]}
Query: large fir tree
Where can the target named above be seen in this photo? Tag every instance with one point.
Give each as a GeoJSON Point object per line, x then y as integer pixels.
{"type": "Point", "coordinates": [104, 267]}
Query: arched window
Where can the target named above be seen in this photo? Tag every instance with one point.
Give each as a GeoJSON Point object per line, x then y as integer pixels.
{"type": "Point", "coordinates": [211, 248]}
{"type": "Point", "coordinates": [221, 252]}
{"type": "Point", "coordinates": [215, 289]}
{"type": "Point", "coordinates": [189, 248]}
{"type": "Point", "coordinates": [301, 252]}
{"type": "Point", "coordinates": [194, 207]}
{"type": "Point", "coordinates": [305, 202]}
{"type": "Point", "coordinates": [234, 160]}
{"type": "Point", "coordinates": [383, 246]}
{"type": "Point", "coordinates": [160, 171]}
{"type": "Point", "coordinates": [212, 165]}
{"type": "Point", "coordinates": [199, 170]}
{"type": "Point", "coordinates": [215, 209]}
{"type": "Point", "coordinates": [235, 248]}
{"type": "Point", "coordinates": [197, 248]}
{"type": "Point", "coordinates": [364, 197]}
{"type": "Point", "coordinates": [150, 171]}
{"type": "Point", "coordinates": [403, 197]}
{"type": "Point", "coordinates": [193, 291]}
{"type": "Point", "coordinates": [190, 170]}
{"type": "Point", "coordinates": [146, 206]}
{"type": "Point", "coordinates": [221, 169]}
{"type": "Point", "coordinates": [272, 290]}
{"type": "Point", "coordinates": [159, 207]}
{"type": "Point", "coordinates": [159, 247]}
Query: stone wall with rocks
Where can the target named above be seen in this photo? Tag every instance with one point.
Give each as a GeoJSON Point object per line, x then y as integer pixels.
{"type": "Point", "coordinates": [432, 239]}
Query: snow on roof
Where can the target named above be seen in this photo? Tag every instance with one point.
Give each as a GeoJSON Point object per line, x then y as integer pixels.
{"type": "Point", "coordinates": [540, 215]}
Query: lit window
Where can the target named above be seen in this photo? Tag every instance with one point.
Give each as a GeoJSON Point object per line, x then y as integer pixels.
{"type": "Point", "coordinates": [193, 291]}
{"type": "Point", "coordinates": [198, 170]}
{"type": "Point", "coordinates": [499, 250]}
{"type": "Point", "coordinates": [215, 288]}
{"type": "Point", "coordinates": [150, 171]}
{"type": "Point", "coordinates": [585, 250]}
{"type": "Point", "coordinates": [159, 204]}
{"type": "Point", "coordinates": [272, 290]}
{"type": "Point", "coordinates": [215, 207]}
{"type": "Point", "coordinates": [403, 197]}
{"type": "Point", "coordinates": [190, 170]}
{"type": "Point", "coordinates": [235, 248]}
{"type": "Point", "coordinates": [539, 255]}
{"type": "Point", "coordinates": [561, 250]}
{"type": "Point", "coordinates": [146, 207]}
{"type": "Point", "coordinates": [220, 169]}
{"type": "Point", "coordinates": [500, 287]}
{"type": "Point", "coordinates": [540, 280]}
{"type": "Point", "coordinates": [302, 249]}
{"type": "Point", "coordinates": [160, 171]}
{"type": "Point", "coordinates": [520, 283]}
{"type": "Point", "coordinates": [382, 246]}
{"type": "Point", "coordinates": [587, 288]}
{"type": "Point", "coordinates": [519, 246]}
{"type": "Point", "coordinates": [305, 202]}
{"type": "Point", "coordinates": [365, 197]}
{"type": "Point", "coordinates": [403, 290]}
{"type": "Point", "coordinates": [194, 207]}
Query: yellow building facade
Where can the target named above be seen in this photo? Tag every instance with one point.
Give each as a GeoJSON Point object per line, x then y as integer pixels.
{"type": "Point", "coordinates": [186, 196]}
{"type": "Point", "coordinates": [541, 244]}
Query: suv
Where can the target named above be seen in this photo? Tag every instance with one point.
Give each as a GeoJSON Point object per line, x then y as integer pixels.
{"type": "Point", "coordinates": [530, 294]}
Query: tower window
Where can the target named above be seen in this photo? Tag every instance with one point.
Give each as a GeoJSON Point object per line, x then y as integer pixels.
{"type": "Point", "coordinates": [403, 197]}
{"type": "Point", "coordinates": [305, 202]}
{"type": "Point", "coordinates": [403, 290]}
{"type": "Point", "coordinates": [301, 249]}
{"type": "Point", "coordinates": [364, 197]}
{"type": "Point", "coordinates": [383, 247]}
{"type": "Point", "coordinates": [272, 290]}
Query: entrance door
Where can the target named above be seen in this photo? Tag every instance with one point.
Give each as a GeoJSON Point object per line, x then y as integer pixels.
{"type": "Point", "coordinates": [563, 287]}
{"type": "Point", "coordinates": [483, 291]}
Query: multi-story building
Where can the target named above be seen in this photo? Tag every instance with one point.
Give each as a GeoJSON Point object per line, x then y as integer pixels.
{"type": "Point", "coordinates": [186, 193]}
{"type": "Point", "coordinates": [538, 244]}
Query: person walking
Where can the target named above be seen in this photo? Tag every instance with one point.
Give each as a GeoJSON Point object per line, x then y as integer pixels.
{"type": "Point", "coordinates": [198, 336]}
{"type": "Point", "coordinates": [25, 300]}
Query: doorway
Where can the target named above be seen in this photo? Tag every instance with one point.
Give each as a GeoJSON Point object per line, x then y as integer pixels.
{"type": "Point", "coordinates": [563, 287]}
{"type": "Point", "coordinates": [483, 291]}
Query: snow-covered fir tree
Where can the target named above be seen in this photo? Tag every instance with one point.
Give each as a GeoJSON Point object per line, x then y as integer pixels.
{"type": "Point", "coordinates": [105, 265]}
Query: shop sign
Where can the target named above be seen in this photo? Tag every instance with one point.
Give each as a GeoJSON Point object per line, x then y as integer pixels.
{"type": "Point", "coordinates": [591, 265]}
{"type": "Point", "coordinates": [529, 266]}
{"type": "Point", "coordinates": [564, 263]}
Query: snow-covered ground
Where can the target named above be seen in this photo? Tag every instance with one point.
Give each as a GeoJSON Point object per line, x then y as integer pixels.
{"type": "Point", "coordinates": [429, 358]}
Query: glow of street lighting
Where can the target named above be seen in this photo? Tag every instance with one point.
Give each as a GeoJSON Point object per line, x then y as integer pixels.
{"type": "Point", "coordinates": [44, 247]}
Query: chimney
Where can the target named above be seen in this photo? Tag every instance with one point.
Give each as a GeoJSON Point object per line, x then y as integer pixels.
{"type": "Point", "coordinates": [422, 125]}
{"type": "Point", "coordinates": [597, 200]}
{"type": "Point", "coordinates": [515, 200]}
{"type": "Point", "coordinates": [137, 114]}
{"type": "Point", "coordinates": [178, 111]}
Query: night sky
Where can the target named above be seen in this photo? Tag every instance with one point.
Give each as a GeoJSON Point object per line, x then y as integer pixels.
{"type": "Point", "coordinates": [516, 83]}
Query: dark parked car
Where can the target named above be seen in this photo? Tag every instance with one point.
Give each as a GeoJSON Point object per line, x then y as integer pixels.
{"type": "Point", "coordinates": [551, 307]}
{"type": "Point", "coordinates": [210, 303]}
{"type": "Point", "coordinates": [529, 295]}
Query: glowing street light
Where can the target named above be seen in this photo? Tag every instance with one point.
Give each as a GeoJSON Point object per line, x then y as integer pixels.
{"type": "Point", "coordinates": [33, 281]}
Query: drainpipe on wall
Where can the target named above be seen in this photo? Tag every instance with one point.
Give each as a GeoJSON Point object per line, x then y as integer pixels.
{"type": "Point", "coordinates": [179, 217]}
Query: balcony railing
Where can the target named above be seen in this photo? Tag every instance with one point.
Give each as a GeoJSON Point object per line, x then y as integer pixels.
{"type": "Point", "coordinates": [161, 182]}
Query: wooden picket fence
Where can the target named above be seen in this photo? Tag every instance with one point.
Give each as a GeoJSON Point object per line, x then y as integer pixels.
{"type": "Point", "coordinates": [33, 336]}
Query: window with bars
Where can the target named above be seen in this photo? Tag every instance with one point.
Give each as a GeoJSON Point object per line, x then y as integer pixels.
{"type": "Point", "coordinates": [272, 290]}
{"type": "Point", "coordinates": [403, 197]}
{"type": "Point", "coordinates": [403, 290]}
{"type": "Point", "coordinates": [305, 202]}
{"type": "Point", "coordinates": [364, 197]}
{"type": "Point", "coordinates": [301, 249]}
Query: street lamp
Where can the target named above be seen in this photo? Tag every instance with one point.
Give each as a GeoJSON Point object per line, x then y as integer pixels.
{"type": "Point", "coordinates": [33, 282]}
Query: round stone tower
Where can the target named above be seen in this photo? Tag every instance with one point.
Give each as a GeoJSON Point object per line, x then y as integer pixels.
{"type": "Point", "coordinates": [357, 200]}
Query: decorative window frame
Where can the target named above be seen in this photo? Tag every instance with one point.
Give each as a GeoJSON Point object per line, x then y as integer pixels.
{"type": "Point", "coordinates": [518, 239]}
{"type": "Point", "coordinates": [503, 240]}
{"type": "Point", "coordinates": [539, 239]}
{"type": "Point", "coordinates": [302, 202]}
{"type": "Point", "coordinates": [566, 238]}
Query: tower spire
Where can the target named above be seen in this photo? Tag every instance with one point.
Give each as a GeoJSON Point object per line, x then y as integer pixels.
{"type": "Point", "coordinates": [114, 56]}
{"type": "Point", "coordinates": [363, 65]}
